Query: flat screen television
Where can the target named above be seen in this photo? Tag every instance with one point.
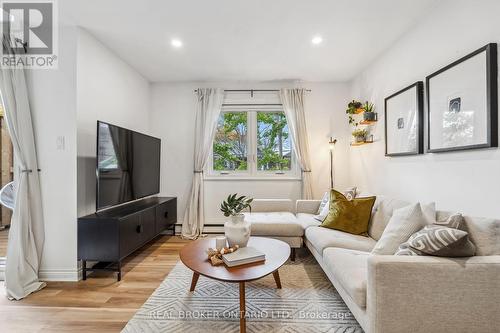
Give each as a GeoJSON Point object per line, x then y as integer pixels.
{"type": "Point", "coordinates": [128, 165]}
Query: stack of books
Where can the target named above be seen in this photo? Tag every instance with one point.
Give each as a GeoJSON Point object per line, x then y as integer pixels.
{"type": "Point", "coordinates": [242, 256]}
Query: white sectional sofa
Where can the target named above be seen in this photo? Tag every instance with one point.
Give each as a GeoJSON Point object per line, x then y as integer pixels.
{"type": "Point", "coordinates": [395, 293]}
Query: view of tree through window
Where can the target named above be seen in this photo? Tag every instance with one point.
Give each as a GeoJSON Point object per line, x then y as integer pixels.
{"type": "Point", "coordinates": [230, 143]}
{"type": "Point", "coordinates": [273, 142]}
{"type": "Point", "coordinates": [269, 142]}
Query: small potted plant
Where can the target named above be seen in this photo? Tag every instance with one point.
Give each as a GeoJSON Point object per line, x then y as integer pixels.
{"type": "Point", "coordinates": [237, 230]}
{"type": "Point", "coordinates": [369, 114]}
{"type": "Point", "coordinates": [359, 134]}
{"type": "Point", "coordinates": [353, 108]}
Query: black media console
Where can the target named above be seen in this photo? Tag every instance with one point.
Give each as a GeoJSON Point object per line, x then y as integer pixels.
{"type": "Point", "coordinates": [109, 236]}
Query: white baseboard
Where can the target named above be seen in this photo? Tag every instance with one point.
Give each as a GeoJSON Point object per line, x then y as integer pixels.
{"type": "Point", "coordinates": [69, 275]}
{"type": "Point", "coordinates": [50, 274]}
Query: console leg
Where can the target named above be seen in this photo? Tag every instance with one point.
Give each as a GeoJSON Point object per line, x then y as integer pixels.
{"type": "Point", "coordinates": [292, 254]}
{"type": "Point", "coordinates": [84, 270]}
{"type": "Point", "coordinates": [119, 277]}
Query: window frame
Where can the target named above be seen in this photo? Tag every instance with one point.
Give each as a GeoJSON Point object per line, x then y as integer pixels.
{"type": "Point", "coordinates": [252, 173]}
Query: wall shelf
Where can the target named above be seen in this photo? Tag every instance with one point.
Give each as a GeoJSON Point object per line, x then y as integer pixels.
{"type": "Point", "coordinates": [367, 122]}
{"type": "Point", "coordinates": [354, 144]}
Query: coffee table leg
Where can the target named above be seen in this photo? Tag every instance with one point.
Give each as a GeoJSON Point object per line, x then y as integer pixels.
{"type": "Point", "coordinates": [243, 324]}
{"type": "Point", "coordinates": [276, 275]}
{"type": "Point", "coordinates": [194, 281]}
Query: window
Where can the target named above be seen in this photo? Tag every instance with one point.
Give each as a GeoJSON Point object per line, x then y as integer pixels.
{"type": "Point", "coordinates": [252, 143]}
{"type": "Point", "coordinates": [230, 143]}
{"type": "Point", "coordinates": [274, 149]}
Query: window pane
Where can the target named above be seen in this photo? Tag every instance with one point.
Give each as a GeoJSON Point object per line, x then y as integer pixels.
{"type": "Point", "coordinates": [230, 143]}
{"type": "Point", "coordinates": [274, 149]}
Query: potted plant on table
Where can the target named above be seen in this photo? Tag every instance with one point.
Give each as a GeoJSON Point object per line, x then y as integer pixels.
{"type": "Point", "coordinates": [359, 134]}
{"type": "Point", "coordinates": [369, 112]}
{"type": "Point", "coordinates": [237, 230]}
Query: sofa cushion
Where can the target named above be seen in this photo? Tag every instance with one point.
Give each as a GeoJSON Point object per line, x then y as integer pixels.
{"type": "Point", "coordinates": [484, 233]}
{"type": "Point", "coordinates": [383, 209]}
{"type": "Point", "coordinates": [324, 207]}
{"type": "Point", "coordinates": [274, 224]}
{"type": "Point", "coordinates": [350, 268]}
{"type": "Point", "coordinates": [352, 216]}
{"type": "Point", "coordinates": [307, 220]}
{"type": "Point", "coordinates": [441, 241]}
{"type": "Point", "coordinates": [404, 222]}
{"type": "Point", "coordinates": [321, 238]}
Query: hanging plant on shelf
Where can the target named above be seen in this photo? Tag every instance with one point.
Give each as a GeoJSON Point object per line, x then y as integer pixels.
{"type": "Point", "coordinates": [353, 108]}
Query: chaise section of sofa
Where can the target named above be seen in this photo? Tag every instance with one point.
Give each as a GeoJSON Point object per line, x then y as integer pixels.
{"type": "Point", "coordinates": [276, 218]}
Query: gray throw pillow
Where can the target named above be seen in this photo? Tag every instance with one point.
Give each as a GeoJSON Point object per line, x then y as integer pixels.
{"type": "Point", "coordinates": [405, 250]}
{"type": "Point", "coordinates": [455, 221]}
{"type": "Point", "coordinates": [441, 241]}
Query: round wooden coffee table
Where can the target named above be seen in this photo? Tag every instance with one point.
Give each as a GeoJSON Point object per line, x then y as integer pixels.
{"type": "Point", "coordinates": [194, 256]}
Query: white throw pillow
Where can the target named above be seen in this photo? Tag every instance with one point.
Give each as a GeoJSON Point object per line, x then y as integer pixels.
{"type": "Point", "coordinates": [404, 222]}
{"type": "Point", "coordinates": [324, 202]}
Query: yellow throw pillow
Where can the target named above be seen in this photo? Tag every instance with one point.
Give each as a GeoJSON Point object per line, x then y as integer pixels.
{"type": "Point", "coordinates": [349, 216]}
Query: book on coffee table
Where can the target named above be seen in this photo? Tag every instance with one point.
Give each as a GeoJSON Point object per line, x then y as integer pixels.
{"type": "Point", "coordinates": [244, 255]}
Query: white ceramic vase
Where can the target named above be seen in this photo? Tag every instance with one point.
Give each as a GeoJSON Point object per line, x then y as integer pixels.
{"type": "Point", "coordinates": [237, 230]}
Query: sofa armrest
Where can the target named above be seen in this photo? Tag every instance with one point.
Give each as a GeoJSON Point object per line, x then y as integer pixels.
{"type": "Point", "coordinates": [272, 205]}
{"type": "Point", "coordinates": [307, 206]}
{"type": "Point", "coordinates": [432, 294]}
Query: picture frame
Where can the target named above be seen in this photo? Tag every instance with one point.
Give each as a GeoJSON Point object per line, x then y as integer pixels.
{"type": "Point", "coordinates": [404, 121]}
{"type": "Point", "coordinates": [462, 103]}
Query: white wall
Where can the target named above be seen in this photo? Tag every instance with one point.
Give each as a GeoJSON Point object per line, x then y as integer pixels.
{"type": "Point", "coordinates": [172, 119]}
{"type": "Point", "coordinates": [108, 89]}
{"type": "Point", "coordinates": [91, 83]}
{"type": "Point", "coordinates": [53, 105]}
{"type": "Point", "coordinates": [465, 181]}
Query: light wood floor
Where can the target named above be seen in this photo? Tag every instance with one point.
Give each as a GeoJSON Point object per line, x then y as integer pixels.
{"type": "Point", "coordinates": [4, 234]}
{"type": "Point", "coordinates": [99, 304]}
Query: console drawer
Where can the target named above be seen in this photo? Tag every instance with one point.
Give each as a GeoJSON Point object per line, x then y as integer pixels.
{"type": "Point", "coordinates": [148, 224]}
{"type": "Point", "coordinates": [166, 215]}
{"type": "Point", "coordinates": [130, 234]}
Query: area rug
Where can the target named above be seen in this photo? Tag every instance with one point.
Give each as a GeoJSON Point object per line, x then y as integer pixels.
{"type": "Point", "coordinates": [306, 303]}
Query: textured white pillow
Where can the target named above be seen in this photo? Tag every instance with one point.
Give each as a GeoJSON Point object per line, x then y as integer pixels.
{"type": "Point", "coordinates": [324, 202]}
{"type": "Point", "coordinates": [404, 222]}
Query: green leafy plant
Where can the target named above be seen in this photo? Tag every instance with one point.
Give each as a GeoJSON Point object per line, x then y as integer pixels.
{"type": "Point", "coordinates": [360, 133]}
{"type": "Point", "coordinates": [352, 109]}
{"type": "Point", "coordinates": [234, 205]}
{"type": "Point", "coordinates": [368, 107]}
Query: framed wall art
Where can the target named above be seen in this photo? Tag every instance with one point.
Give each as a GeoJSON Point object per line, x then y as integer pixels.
{"type": "Point", "coordinates": [462, 103]}
{"type": "Point", "coordinates": [404, 118]}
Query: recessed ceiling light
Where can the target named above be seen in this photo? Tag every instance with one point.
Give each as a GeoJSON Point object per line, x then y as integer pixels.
{"type": "Point", "coordinates": [317, 40]}
{"type": "Point", "coordinates": [177, 43]}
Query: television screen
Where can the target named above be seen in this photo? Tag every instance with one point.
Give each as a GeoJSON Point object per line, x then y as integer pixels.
{"type": "Point", "coordinates": [128, 165]}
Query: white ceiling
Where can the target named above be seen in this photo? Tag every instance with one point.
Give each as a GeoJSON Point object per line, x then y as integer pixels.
{"type": "Point", "coordinates": [246, 40]}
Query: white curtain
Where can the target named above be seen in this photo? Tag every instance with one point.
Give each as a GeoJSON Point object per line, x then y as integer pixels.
{"type": "Point", "coordinates": [293, 106]}
{"type": "Point", "coordinates": [26, 235]}
{"type": "Point", "coordinates": [207, 114]}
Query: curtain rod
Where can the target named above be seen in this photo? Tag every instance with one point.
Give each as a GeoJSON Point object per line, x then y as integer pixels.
{"type": "Point", "coordinates": [251, 90]}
